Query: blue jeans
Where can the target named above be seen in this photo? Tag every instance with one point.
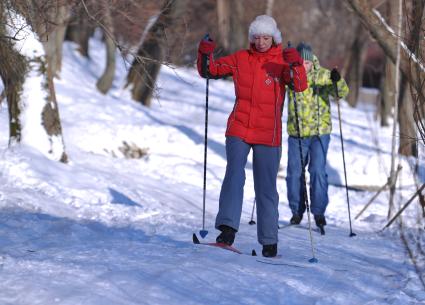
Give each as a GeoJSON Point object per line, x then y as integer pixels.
{"type": "Point", "coordinates": [314, 151]}
{"type": "Point", "coordinates": [265, 161]}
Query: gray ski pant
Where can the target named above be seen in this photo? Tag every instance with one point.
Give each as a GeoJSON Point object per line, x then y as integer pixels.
{"type": "Point", "coordinates": [265, 161]}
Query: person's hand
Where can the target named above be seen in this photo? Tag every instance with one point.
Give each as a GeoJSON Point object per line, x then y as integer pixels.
{"type": "Point", "coordinates": [335, 76]}
{"type": "Point", "coordinates": [207, 45]}
{"type": "Point", "coordinates": [292, 57]}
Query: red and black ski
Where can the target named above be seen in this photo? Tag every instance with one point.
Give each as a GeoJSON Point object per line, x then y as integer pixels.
{"type": "Point", "coordinates": [221, 246]}
{"type": "Point", "coordinates": [277, 260]}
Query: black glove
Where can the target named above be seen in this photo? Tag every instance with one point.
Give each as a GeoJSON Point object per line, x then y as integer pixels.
{"type": "Point", "coordinates": [317, 90]}
{"type": "Point", "coordinates": [335, 76]}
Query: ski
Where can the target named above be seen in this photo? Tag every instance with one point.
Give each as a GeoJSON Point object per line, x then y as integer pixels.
{"type": "Point", "coordinates": [285, 226]}
{"type": "Point", "coordinates": [221, 246]}
{"type": "Point", "coordinates": [277, 262]}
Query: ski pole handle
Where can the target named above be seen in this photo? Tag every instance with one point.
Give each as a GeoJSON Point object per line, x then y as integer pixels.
{"type": "Point", "coordinates": [335, 77]}
{"type": "Point", "coordinates": [206, 37]}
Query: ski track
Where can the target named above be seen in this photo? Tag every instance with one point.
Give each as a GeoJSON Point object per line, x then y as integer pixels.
{"type": "Point", "coordinates": [109, 230]}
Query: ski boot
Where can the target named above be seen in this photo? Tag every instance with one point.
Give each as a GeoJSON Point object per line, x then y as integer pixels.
{"type": "Point", "coordinates": [296, 219]}
{"type": "Point", "coordinates": [269, 250]}
{"type": "Point", "coordinates": [227, 235]}
{"type": "Point", "coordinates": [320, 223]}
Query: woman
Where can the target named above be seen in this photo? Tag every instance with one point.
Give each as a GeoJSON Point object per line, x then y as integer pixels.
{"type": "Point", "coordinates": [260, 75]}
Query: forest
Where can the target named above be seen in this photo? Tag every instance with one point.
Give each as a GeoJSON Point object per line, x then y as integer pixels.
{"type": "Point", "coordinates": [377, 45]}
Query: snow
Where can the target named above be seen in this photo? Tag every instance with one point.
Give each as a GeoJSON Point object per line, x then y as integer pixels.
{"type": "Point", "coordinates": [34, 97]}
{"type": "Point", "coordinates": [104, 229]}
{"type": "Point", "coordinates": [25, 40]}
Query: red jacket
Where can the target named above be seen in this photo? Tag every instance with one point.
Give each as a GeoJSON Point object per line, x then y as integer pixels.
{"type": "Point", "coordinates": [260, 80]}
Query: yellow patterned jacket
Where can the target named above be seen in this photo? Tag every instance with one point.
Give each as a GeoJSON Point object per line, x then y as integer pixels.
{"type": "Point", "coordinates": [313, 104]}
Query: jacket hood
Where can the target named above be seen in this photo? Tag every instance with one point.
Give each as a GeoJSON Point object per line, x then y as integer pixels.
{"type": "Point", "coordinates": [316, 64]}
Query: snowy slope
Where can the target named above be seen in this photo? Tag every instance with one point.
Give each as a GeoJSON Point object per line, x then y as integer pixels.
{"type": "Point", "coordinates": [104, 229]}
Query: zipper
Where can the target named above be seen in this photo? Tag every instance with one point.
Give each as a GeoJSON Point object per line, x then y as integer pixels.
{"type": "Point", "coordinates": [235, 106]}
{"type": "Point", "coordinates": [275, 112]}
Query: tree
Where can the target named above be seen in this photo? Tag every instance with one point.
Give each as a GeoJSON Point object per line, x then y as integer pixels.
{"type": "Point", "coordinates": [26, 72]}
{"type": "Point", "coordinates": [231, 27]}
{"type": "Point", "coordinates": [80, 29]}
{"type": "Point", "coordinates": [387, 87]}
{"type": "Point", "coordinates": [52, 33]}
{"type": "Point", "coordinates": [355, 65]}
{"type": "Point", "coordinates": [223, 24]}
{"type": "Point", "coordinates": [105, 81]}
{"type": "Point", "coordinates": [387, 39]}
{"type": "Point", "coordinates": [269, 7]}
{"type": "Point", "coordinates": [408, 143]}
{"type": "Point", "coordinates": [151, 53]}
{"type": "Point", "coordinates": [410, 63]}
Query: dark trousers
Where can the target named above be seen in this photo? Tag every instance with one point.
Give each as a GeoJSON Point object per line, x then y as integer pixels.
{"type": "Point", "coordinates": [314, 150]}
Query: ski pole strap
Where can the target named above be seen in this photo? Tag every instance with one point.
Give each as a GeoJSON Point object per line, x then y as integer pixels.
{"type": "Point", "coordinates": [336, 89]}
{"type": "Point", "coordinates": [205, 65]}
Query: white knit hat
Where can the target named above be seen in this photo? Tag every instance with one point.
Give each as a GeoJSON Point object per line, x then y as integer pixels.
{"type": "Point", "coordinates": [264, 25]}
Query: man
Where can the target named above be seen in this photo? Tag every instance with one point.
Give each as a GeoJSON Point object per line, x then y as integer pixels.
{"type": "Point", "coordinates": [315, 125]}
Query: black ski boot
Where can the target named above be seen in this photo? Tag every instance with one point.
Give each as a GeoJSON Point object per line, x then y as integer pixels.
{"type": "Point", "coordinates": [296, 219]}
{"type": "Point", "coordinates": [320, 223]}
{"type": "Point", "coordinates": [227, 235]}
{"type": "Point", "coordinates": [270, 250]}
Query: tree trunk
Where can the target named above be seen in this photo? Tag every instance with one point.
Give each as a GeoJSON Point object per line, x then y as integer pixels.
{"type": "Point", "coordinates": [231, 30]}
{"type": "Point", "coordinates": [145, 67]}
{"type": "Point", "coordinates": [388, 94]}
{"type": "Point", "coordinates": [26, 102]}
{"type": "Point", "coordinates": [105, 81]}
{"type": "Point", "coordinates": [355, 66]}
{"type": "Point", "coordinates": [223, 16]}
{"type": "Point", "coordinates": [13, 70]}
{"type": "Point", "coordinates": [408, 143]}
{"type": "Point", "coordinates": [62, 18]}
{"type": "Point", "coordinates": [238, 35]}
{"type": "Point", "coordinates": [80, 30]}
{"type": "Point", "coordinates": [269, 7]}
{"type": "Point", "coordinates": [53, 35]}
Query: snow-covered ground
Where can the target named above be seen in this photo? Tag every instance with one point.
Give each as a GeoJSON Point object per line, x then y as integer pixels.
{"type": "Point", "coordinates": [104, 229]}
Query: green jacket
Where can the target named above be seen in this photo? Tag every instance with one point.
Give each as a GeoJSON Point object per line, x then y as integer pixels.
{"type": "Point", "coordinates": [314, 112]}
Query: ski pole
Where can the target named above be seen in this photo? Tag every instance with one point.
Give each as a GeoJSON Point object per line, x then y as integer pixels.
{"type": "Point", "coordinates": [291, 74]}
{"type": "Point", "coordinates": [252, 221]}
{"type": "Point", "coordinates": [204, 232]}
{"type": "Point", "coordinates": [335, 77]}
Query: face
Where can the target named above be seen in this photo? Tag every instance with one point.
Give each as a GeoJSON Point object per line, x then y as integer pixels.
{"type": "Point", "coordinates": [308, 65]}
{"type": "Point", "coordinates": [263, 42]}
